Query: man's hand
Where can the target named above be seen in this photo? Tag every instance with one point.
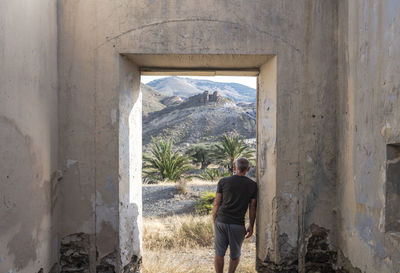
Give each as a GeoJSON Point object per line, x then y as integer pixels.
{"type": "Point", "coordinates": [249, 232]}
{"type": "Point", "coordinates": [252, 217]}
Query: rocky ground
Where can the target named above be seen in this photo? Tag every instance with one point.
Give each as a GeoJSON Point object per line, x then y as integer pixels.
{"type": "Point", "coordinates": [164, 200]}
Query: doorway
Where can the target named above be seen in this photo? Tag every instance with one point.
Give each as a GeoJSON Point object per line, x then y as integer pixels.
{"type": "Point", "coordinates": [201, 123]}
{"type": "Point", "coordinates": [132, 66]}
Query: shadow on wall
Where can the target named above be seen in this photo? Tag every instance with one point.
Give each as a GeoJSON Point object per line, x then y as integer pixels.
{"type": "Point", "coordinates": [25, 210]}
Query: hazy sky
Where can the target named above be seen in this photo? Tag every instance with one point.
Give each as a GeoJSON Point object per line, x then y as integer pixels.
{"type": "Point", "coordinates": [248, 81]}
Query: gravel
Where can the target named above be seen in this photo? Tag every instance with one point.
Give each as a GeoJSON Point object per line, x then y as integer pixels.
{"type": "Point", "coordinates": [164, 200]}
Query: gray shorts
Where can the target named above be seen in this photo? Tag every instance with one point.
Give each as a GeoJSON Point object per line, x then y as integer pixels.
{"type": "Point", "coordinates": [228, 234]}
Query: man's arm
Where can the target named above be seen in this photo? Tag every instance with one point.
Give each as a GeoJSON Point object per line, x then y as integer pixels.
{"type": "Point", "coordinates": [252, 216]}
{"type": "Point", "coordinates": [217, 203]}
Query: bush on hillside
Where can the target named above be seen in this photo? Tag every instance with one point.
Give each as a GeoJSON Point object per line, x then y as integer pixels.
{"type": "Point", "coordinates": [200, 154]}
{"type": "Point", "coordinates": [205, 204]}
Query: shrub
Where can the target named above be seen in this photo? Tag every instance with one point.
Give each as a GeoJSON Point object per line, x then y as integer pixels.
{"type": "Point", "coordinates": [200, 154]}
{"type": "Point", "coordinates": [181, 186]}
{"type": "Point", "coordinates": [205, 204]}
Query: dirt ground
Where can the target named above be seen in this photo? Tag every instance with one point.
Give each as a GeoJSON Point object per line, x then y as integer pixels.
{"type": "Point", "coordinates": [199, 260]}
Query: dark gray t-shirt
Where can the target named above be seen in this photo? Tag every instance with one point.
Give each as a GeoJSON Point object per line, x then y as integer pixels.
{"type": "Point", "coordinates": [237, 191]}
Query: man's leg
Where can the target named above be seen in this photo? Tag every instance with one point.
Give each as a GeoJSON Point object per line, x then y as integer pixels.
{"type": "Point", "coordinates": [233, 264]}
{"type": "Point", "coordinates": [219, 263]}
{"type": "Point", "coordinates": [236, 237]}
{"type": "Point", "coordinates": [220, 245]}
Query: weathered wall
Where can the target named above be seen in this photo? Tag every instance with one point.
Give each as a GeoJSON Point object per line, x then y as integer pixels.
{"type": "Point", "coordinates": [335, 109]}
{"type": "Point", "coordinates": [368, 119]}
{"type": "Point", "coordinates": [302, 34]}
{"type": "Point", "coordinates": [28, 135]}
{"type": "Point", "coordinates": [328, 106]}
{"type": "Point", "coordinates": [266, 158]}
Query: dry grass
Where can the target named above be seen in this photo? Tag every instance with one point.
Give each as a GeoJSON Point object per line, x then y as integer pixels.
{"type": "Point", "coordinates": [179, 231]}
{"type": "Point", "coordinates": [184, 244]}
{"type": "Point", "coordinates": [191, 261]}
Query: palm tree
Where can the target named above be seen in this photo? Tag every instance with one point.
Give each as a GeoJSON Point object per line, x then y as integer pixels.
{"type": "Point", "coordinates": [163, 163]}
{"type": "Point", "coordinates": [230, 148]}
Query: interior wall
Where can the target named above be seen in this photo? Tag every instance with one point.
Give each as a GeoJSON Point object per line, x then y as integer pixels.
{"type": "Point", "coordinates": [28, 136]}
{"type": "Point", "coordinates": [315, 140]}
{"type": "Point", "coordinates": [77, 123]}
{"type": "Point", "coordinates": [368, 120]}
{"type": "Point", "coordinates": [93, 34]}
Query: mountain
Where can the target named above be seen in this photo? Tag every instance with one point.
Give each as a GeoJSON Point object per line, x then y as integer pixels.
{"type": "Point", "coordinates": [151, 99]}
{"type": "Point", "coordinates": [169, 101]}
{"type": "Point", "coordinates": [200, 118]}
{"type": "Point", "coordinates": [186, 87]}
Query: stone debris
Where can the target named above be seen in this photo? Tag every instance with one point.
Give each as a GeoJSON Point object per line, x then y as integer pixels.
{"type": "Point", "coordinates": [134, 265]}
{"type": "Point", "coordinates": [319, 257]}
{"type": "Point", "coordinates": [108, 263]}
{"type": "Point", "coordinates": [74, 253]}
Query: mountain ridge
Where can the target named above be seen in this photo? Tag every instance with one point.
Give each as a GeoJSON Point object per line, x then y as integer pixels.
{"type": "Point", "coordinates": [187, 87]}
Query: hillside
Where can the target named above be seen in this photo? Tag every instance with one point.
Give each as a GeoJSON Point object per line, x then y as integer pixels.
{"type": "Point", "coordinates": [203, 117]}
{"type": "Point", "coordinates": [186, 87]}
{"type": "Point", "coordinates": [151, 99]}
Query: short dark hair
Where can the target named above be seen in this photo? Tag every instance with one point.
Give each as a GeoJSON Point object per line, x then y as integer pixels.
{"type": "Point", "coordinates": [242, 164]}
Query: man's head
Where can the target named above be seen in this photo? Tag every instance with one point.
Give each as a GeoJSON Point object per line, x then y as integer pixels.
{"type": "Point", "coordinates": [242, 165]}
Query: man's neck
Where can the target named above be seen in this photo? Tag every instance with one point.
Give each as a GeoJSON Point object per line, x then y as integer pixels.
{"type": "Point", "coordinates": [241, 174]}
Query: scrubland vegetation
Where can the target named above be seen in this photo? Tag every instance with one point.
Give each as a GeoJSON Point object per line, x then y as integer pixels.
{"type": "Point", "coordinates": [164, 162]}
{"type": "Point", "coordinates": [184, 244]}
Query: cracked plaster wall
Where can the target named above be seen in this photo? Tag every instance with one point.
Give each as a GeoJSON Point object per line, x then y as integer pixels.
{"type": "Point", "coordinates": [28, 136]}
{"type": "Point", "coordinates": [368, 119]}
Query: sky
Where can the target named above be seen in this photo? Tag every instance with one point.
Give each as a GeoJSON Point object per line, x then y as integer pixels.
{"type": "Point", "coordinates": [248, 81]}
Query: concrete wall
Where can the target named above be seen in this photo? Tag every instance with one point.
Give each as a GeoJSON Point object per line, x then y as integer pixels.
{"type": "Point", "coordinates": [328, 106]}
{"type": "Point", "coordinates": [28, 135]}
{"type": "Point", "coordinates": [302, 35]}
{"type": "Point", "coordinates": [368, 120]}
{"type": "Point", "coordinates": [266, 159]}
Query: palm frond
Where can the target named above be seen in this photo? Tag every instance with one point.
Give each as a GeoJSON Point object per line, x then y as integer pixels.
{"type": "Point", "coordinates": [229, 149]}
{"type": "Point", "coordinates": [163, 163]}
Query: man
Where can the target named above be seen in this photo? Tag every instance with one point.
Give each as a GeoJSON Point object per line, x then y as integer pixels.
{"type": "Point", "coordinates": [234, 195]}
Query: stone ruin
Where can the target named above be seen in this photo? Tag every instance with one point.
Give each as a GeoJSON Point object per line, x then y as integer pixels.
{"type": "Point", "coordinates": [206, 97]}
